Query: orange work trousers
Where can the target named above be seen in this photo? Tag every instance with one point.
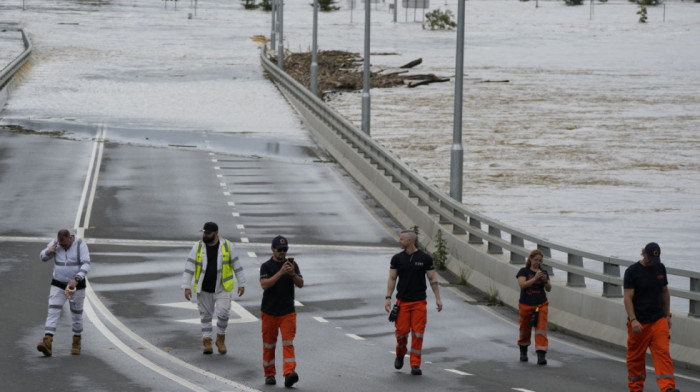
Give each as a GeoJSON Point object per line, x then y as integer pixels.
{"type": "Point", "coordinates": [413, 316]}
{"type": "Point", "coordinates": [287, 325]}
{"type": "Point", "coordinates": [656, 337]}
{"type": "Point", "coordinates": [525, 312]}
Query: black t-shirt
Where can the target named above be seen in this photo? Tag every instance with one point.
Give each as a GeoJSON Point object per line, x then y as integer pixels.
{"type": "Point", "coordinates": [209, 282]}
{"type": "Point", "coordinates": [278, 300]}
{"type": "Point", "coordinates": [411, 270]}
{"type": "Point", "coordinates": [647, 283]}
{"type": "Point", "coordinates": [535, 294]}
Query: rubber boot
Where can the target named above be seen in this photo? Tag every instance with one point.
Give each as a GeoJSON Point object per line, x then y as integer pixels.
{"type": "Point", "coordinates": [541, 360]}
{"type": "Point", "coordinates": [207, 346]}
{"type": "Point", "coordinates": [220, 343]}
{"type": "Point", "coordinates": [75, 350]}
{"type": "Point", "coordinates": [523, 353]}
{"type": "Point", "coordinates": [45, 345]}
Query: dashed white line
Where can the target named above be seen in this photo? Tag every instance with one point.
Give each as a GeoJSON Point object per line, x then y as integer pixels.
{"type": "Point", "coordinates": [244, 240]}
{"type": "Point", "coordinates": [461, 373]}
{"type": "Point", "coordinates": [215, 160]}
{"type": "Point", "coordinates": [252, 255]}
{"type": "Point", "coordinates": [227, 193]}
{"type": "Point", "coordinates": [240, 227]}
{"type": "Point", "coordinates": [320, 319]}
{"type": "Point", "coordinates": [353, 336]}
{"type": "Point", "coordinates": [522, 390]}
{"type": "Point", "coordinates": [231, 203]}
{"type": "Point", "coordinates": [235, 214]}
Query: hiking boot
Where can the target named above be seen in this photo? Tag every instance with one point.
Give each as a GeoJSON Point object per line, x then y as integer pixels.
{"type": "Point", "coordinates": [523, 353]}
{"type": "Point", "coordinates": [398, 362]}
{"type": "Point", "coordinates": [416, 371]}
{"type": "Point", "coordinates": [75, 349]}
{"type": "Point", "coordinates": [672, 390]}
{"type": "Point", "coordinates": [207, 346]}
{"type": "Point", "coordinates": [270, 380]}
{"type": "Point", "coordinates": [220, 343]}
{"type": "Point", "coordinates": [541, 360]}
{"type": "Point", "coordinates": [290, 379]}
{"type": "Point", "coordinates": [45, 345]}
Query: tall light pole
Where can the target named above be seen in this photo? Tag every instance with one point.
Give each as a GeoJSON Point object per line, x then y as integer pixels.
{"type": "Point", "coordinates": [365, 79]}
{"type": "Point", "coordinates": [274, 28]}
{"type": "Point", "coordinates": [280, 40]}
{"type": "Point", "coordinates": [314, 62]}
{"type": "Point", "coordinates": [457, 153]}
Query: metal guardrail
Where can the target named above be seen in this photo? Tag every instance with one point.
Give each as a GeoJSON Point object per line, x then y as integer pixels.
{"type": "Point", "coordinates": [9, 71]}
{"type": "Point", "coordinates": [478, 227]}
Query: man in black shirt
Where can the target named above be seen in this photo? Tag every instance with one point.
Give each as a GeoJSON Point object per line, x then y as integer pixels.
{"type": "Point", "coordinates": [278, 276]}
{"type": "Point", "coordinates": [648, 306]}
{"type": "Point", "coordinates": [410, 268]}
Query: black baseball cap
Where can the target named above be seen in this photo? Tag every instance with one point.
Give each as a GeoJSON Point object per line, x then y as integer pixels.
{"type": "Point", "coordinates": [210, 227]}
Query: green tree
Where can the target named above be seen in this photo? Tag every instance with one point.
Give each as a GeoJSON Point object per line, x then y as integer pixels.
{"type": "Point", "coordinates": [642, 13]}
{"type": "Point", "coordinates": [266, 5]}
{"type": "Point", "coordinates": [250, 4]}
{"type": "Point", "coordinates": [440, 254]}
{"type": "Point", "coordinates": [439, 20]}
{"type": "Point", "coordinates": [326, 5]}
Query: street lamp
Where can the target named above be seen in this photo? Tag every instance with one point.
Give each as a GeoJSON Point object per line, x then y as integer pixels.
{"type": "Point", "coordinates": [457, 152]}
{"type": "Point", "coordinates": [314, 62]}
{"type": "Point", "coordinates": [365, 79]}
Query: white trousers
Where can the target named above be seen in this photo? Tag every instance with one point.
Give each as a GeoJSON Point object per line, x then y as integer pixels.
{"type": "Point", "coordinates": [57, 297]}
{"type": "Point", "coordinates": [214, 305]}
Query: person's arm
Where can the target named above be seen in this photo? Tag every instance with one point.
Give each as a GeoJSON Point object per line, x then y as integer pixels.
{"type": "Point", "coordinates": [629, 308]}
{"type": "Point", "coordinates": [525, 283]}
{"type": "Point", "coordinates": [432, 278]}
{"type": "Point", "coordinates": [390, 286]}
{"type": "Point", "coordinates": [188, 274]}
{"type": "Point", "coordinates": [296, 276]}
{"type": "Point", "coordinates": [666, 297]}
{"type": "Point", "coordinates": [49, 252]}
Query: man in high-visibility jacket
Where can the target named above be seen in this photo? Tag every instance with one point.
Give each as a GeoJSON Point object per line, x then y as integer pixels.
{"type": "Point", "coordinates": [209, 271]}
{"type": "Point", "coordinates": [648, 305]}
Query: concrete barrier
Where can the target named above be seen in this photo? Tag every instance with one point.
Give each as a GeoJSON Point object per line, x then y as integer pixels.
{"type": "Point", "coordinates": [475, 242]}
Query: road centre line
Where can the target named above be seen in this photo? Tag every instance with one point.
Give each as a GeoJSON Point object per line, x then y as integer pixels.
{"type": "Point", "coordinates": [320, 319]}
{"type": "Point", "coordinates": [461, 373]}
{"type": "Point", "coordinates": [102, 133]}
{"type": "Point", "coordinates": [83, 195]}
{"type": "Point", "coordinates": [353, 336]}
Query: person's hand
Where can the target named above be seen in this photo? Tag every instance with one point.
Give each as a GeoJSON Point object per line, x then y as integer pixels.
{"type": "Point", "coordinates": [438, 303]}
{"type": "Point", "coordinates": [73, 283]}
{"type": "Point", "coordinates": [668, 319]}
{"type": "Point", "coordinates": [52, 248]}
{"type": "Point", "coordinates": [188, 294]}
{"type": "Point", "coordinates": [241, 290]}
{"type": "Point", "coordinates": [539, 275]}
{"type": "Point", "coordinates": [288, 268]}
{"type": "Point", "coordinates": [636, 326]}
{"type": "Point", "coordinates": [387, 305]}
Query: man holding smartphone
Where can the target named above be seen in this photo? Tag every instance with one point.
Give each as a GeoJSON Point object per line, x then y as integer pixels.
{"type": "Point", "coordinates": [278, 276]}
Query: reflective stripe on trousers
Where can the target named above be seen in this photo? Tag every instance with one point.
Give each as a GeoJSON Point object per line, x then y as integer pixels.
{"type": "Point", "coordinates": [655, 336]}
{"type": "Point", "coordinates": [525, 315]}
{"type": "Point", "coordinates": [214, 305]}
{"type": "Point", "coordinates": [57, 298]}
{"type": "Point", "coordinates": [287, 326]}
{"type": "Point", "coordinates": [412, 318]}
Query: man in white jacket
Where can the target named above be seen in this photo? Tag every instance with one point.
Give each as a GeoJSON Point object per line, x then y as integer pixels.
{"type": "Point", "coordinates": [209, 271]}
{"type": "Point", "coordinates": [71, 265]}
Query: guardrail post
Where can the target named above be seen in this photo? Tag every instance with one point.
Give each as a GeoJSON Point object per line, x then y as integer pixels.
{"type": "Point", "coordinates": [516, 258]}
{"type": "Point", "coordinates": [694, 310]}
{"type": "Point", "coordinates": [547, 254]}
{"type": "Point", "coordinates": [572, 279]}
{"type": "Point", "coordinates": [456, 228]}
{"type": "Point", "coordinates": [473, 238]}
{"type": "Point", "coordinates": [611, 290]}
{"type": "Point", "coordinates": [493, 248]}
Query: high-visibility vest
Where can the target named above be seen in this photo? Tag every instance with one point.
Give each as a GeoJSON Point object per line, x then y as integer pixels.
{"type": "Point", "coordinates": [227, 268]}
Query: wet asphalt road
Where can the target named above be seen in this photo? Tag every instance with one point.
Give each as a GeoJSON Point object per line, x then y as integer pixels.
{"type": "Point", "coordinates": [140, 195]}
{"type": "Point", "coordinates": [140, 334]}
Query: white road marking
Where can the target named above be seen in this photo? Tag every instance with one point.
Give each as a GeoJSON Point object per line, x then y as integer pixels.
{"type": "Point", "coordinates": [320, 319]}
{"type": "Point", "coordinates": [227, 193]}
{"type": "Point", "coordinates": [93, 301]}
{"type": "Point", "coordinates": [459, 372]}
{"type": "Point", "coordinates": [215, 160]}
{"type": "Point", "coordinates": [232, 204]}
{"type": "Point", "coordinates": [212, 154]}
{"type": "Point", "coordinates": [252, 255]}
{"type": "Point", "coordinates": [222, 184]}
{"type": "Point", "coordinates": [217, 167]}
{"type": "Point", "coordinates": [219, 176]}
{"type": "Point", "coordinates": [244, 316]}
{"type": "Point", "coordinates": [353, 336]}
{"type": "Point", "coordinates": [244, 240]}
{"type": "Point", "coordinates": [522, 390]}
{"type": "Point", "coordinates": [240, 227]}
{"type": "Point", "coordinates": [297, 303]}
{"type": "Point", "coordinates": [96, 172]}
{"type": "Point", "coordinates": [83, 196]}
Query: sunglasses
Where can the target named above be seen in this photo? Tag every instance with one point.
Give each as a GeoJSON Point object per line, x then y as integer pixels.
{"type": "Point", "coordinates": [282, 249]}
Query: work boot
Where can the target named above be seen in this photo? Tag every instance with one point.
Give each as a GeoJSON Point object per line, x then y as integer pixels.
{"type": "Point", "coordinates": [45, 345]}
{"type": "Point", "coordinates": [523, 353]}
{"type": "Point", "coordinates": [207, 346]}
{"type": "Point", "coordinates": [290, 379]}
{"type": "Point", "coordinates": [270, 380]}
{"type": "Point", "coordinates": [220, 343]}
{"type": "Point", "coordinates": [541, 360]}
{"type": "Point", "coordinates": [398, 362]}
{"type": "Point", "coordinates": [75, 350]}
{"type": "Point", "coordinates": [415, 370]}
{"type": "Point", "coordinates": [672, 390]}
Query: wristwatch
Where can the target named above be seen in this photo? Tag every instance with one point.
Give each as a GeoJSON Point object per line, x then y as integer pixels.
{"type": "Point", "coordinates": [78, 278]}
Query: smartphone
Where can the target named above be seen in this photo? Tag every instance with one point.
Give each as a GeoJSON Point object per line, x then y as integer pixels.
{"type": "Point", "coordinates": [290, 259]}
